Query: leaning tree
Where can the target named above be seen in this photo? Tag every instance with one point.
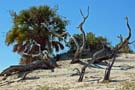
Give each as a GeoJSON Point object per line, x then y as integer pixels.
{"type": "Point", "coordinates": [33, 27]}
{"type": "Point", "coordinates": [107, 53]}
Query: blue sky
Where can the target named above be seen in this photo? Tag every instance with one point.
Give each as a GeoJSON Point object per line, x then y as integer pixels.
{"type": "Point", "coordinates": [106, 18]}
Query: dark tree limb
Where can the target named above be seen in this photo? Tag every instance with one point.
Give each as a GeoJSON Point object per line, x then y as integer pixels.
{"type": "Point", "coordinates": [80, 49]}
{"type": "Point", "coordinates": [77, 72]}
{"type": "Point", "coordinates": [39, 64]}
{"type": "Point", "coordinates": [45, 62]}
{"type": "Point", "coordinates": [126, 40]}
{"type": "Point", "coordinates": [121, 38]}
{"type": "Point", "coordinates": [108, 69]}
{"type": "Point", "coordinates": [131, 42]}
{"type": "Point", "coordinates": [111, 56]}
{"type": "Point", "coordinates": [115, 51]}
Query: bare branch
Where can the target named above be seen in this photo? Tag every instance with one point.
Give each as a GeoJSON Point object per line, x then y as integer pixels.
{"type": "Point", "coordinates": [85, 17]}
{"type": "Point", "coordinates": [33, 42]}
{"type": "Point", "coordinates": [131, 42]}
{"type": "Point", "coordinates": [120, 37]}
{"type": "Point", "coordinates": [77, 72]}
{"type": "Point", "coordinates": [60, 35]}
{"type": "Point", "coordinates": [43, 55]}
{"type": "Point", "coordinates": [80, 27]}
{"type": "Point", "coordinates": [76, 43]}
{"type": "Point", "coordinates": [126, 40]}
{"type": "Point", "coordinates": [112, 55]}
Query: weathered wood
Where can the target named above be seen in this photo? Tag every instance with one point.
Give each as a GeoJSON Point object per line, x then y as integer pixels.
{"type": "Point", "coordinates": [39, 64]}
{"type": "Point", "coordinates": [80, 49]}
{"type": "Point", "coordinates": [115, 52]}
{"type": "Point", "coordinates": [106, 57]}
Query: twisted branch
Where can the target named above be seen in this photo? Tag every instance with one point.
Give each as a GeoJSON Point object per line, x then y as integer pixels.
{"type": "Point", "coordinates": [111, 56]}
{"type": "Point", "coordinates": [80, 49]}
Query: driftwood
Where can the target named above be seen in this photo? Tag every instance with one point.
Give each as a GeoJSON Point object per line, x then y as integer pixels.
{"type": "Point", "coordinates": [112, 55]}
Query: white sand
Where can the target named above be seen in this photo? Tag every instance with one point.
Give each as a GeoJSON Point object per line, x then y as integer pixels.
{"type": "Point", "coordinates": [61, 79]}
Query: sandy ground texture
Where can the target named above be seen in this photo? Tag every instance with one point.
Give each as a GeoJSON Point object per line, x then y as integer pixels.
{"type": "Point", "coordinates": [122, 76]}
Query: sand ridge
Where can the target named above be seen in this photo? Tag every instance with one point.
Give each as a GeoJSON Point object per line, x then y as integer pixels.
{"type": "Point", "coordinates": [61, 78]}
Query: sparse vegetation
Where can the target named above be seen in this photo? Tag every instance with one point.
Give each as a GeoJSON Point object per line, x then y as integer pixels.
{"type": "Point", "coordinates": [38, 31]}
{"type": "Point", "coordinates": [127, 86]}
{"type": "Point", "coordinates": [52, 88]}
{"type": "Point", "coordinates": [93, 43]}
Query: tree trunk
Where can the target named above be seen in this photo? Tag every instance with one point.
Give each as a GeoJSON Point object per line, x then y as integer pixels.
{"type": "Point", "coordinates": [39, 64]}
{"type": "Point", "coordinates": [76, 58]}
{"type": "Point", "coordinates": [82, 73]}
{"type": "Point", "coordinates": [112, 56]}
{"type": "Point", "coordinates": [108, 70]}
{"type": "Point", "coordinates": [80, 49]}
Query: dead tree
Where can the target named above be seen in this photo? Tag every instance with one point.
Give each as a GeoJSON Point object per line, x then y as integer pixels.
{"type": "Point", "coordinates": [122, 38]}
{"type": "Point", "coordinates": [80, 49]}
{"type": "Point", "coordinates": [25, 67]}
{"type": "Point", "coordinates": [44, 62]}
{"type": "Point", "coordinates": [104, 52]}
{"type": "Point", "coordinates": [112, 55]}
{"type": "Point", "coordinates": [115, 52]}
{"type": "Point", "coordinates": [126, 47]}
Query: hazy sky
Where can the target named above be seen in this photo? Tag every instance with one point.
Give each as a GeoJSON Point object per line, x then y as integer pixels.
{"type": "Point", "coordinates": [106, 18]}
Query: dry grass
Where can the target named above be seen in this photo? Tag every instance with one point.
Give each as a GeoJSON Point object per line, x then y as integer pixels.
{"type": "Point", "coordinates": [127, 86]}
{"type": "Point", "coordinates": [52, 88]}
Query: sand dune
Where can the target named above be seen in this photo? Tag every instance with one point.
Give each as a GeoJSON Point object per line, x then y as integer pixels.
{"type": "Point", "coordinates": [61, 78]}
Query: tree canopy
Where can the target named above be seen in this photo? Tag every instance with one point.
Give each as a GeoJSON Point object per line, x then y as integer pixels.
{"type": "Point", "coordinates": [93, 42]}
{"type": "Point", "coordinates": [39, 24]}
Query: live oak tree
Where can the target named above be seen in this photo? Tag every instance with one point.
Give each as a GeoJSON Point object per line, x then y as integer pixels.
{"type": "Point", "coordinates": [37, 24]}
{"type": "Point", "coordinates": [35, 33]}
{"type": "Point", "coordinates": [93, 43]}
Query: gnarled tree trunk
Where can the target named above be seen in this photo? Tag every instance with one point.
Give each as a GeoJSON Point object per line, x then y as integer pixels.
{"type": "Point", "coordinates": [16, 69]}
{"type": "Point", "coordinates": [79, 50]}
{"type": "Point", "coordinates": [104, 57]}
{"type": "Point", "coordinates": [45, 62]}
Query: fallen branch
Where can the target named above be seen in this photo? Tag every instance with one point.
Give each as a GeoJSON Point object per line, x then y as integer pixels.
{"type": "Point", "coordinates": [39, 64]}
{"type": "Point", "coordinates": [77, 72]}
{"type": "Point", "coordinates": [21, 76]}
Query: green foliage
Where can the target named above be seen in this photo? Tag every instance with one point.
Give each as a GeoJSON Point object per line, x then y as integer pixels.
{"type": "Point", "coordinates": [125, 49]}
{"type": "Point", "coordinates": [39, 24]}
{"type": "Point", "coordinates": [93, 42]}
{"type": "Point", "coordinates": [71, 43]}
